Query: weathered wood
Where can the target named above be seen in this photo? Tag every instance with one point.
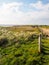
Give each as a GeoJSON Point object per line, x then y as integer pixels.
{"type": "Point", "coordinates": [39, 43]}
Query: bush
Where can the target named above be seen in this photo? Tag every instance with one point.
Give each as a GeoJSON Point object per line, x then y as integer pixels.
{"type": "Point", "coordinates": [32, 37]}
{"type": "Point", "coordinates": [3, 41]}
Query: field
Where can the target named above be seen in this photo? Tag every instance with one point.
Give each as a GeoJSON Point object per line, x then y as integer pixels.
{"type": "Point", "coordinates": [19, 45]}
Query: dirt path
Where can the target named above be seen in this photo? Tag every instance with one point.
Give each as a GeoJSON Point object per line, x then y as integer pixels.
{"type": "Point", "coordinates": [45, 31]}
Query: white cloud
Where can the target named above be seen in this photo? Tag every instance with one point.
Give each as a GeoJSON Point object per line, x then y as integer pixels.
{"type": "Point", "coordinates": [10, 13]}
{"type": "Point", "coordinates": [40, 6]}
{"type": "Point", "coordinates": [37, 5]}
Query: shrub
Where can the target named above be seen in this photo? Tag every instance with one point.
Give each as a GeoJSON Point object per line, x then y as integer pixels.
{"type": "Point", "coordinates": [3, 41]}
{"type": "Point", "coordinates": [32, 37]}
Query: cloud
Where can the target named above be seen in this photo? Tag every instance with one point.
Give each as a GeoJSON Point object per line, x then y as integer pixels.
{"type": "Point", "coordinates": [42, 11]}
{"type": "Point", "coordinates": [11, 13]}
{"type": "Point", "coordinates": [40, 6]}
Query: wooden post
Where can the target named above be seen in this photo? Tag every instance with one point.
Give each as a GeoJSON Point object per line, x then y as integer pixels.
{"type": "Point", "coordinates": [39, 43]}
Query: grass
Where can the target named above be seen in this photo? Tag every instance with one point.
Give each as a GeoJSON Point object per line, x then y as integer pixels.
{"type": "Point", "coordinates": [45, 51]}
{"type": "Point", "coordinates": [21, 48]}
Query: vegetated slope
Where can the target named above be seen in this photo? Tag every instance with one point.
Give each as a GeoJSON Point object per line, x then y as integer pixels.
{"type": "Point", "coordinates": [21, 48]}
{"type": "Point", "coordinates": [22, 28]}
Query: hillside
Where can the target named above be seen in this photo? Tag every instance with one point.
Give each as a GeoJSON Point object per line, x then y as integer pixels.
{"type": "Point", "coordinates": [19, 45]}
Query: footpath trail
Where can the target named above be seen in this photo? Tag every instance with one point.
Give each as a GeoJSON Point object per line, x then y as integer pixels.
{"type": "Point", "coordinates": [45, 31]}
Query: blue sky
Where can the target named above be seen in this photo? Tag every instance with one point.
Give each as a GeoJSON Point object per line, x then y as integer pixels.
{"type": "Point", "coordinates": [26, 12]}
{"type": "Point", "coordinates": [25, 1]}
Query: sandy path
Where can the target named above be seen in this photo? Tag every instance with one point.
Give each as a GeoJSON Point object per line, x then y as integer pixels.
{"type": "Point", "coordinates": [45, 31]}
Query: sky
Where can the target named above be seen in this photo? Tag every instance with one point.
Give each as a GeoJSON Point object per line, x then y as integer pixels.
{"type": "Point", "coordinates": [24, 12]}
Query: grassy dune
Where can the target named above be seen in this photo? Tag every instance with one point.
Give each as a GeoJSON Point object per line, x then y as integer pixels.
{"type": "Point", "coordinates": [19, 46]}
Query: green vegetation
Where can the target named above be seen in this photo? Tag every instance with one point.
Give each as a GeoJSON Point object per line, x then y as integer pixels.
{"type": "Point", "coordinates": [21, 47]}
